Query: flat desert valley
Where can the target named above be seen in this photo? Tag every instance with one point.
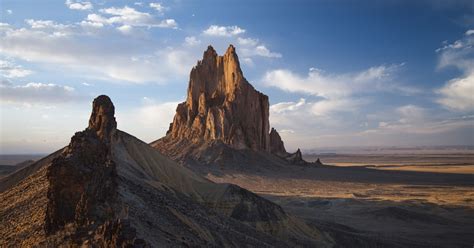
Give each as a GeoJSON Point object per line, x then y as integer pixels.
{"type": "Point", "coordinates": [399, 198]}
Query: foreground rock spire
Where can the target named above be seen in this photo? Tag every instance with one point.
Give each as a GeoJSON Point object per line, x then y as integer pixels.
{"type": "Point", "coordinates": [102, 120]}
{"type": "Point", "coordinates": [222, 105]}
{"type": "Point", "coordinates": [82, 179]}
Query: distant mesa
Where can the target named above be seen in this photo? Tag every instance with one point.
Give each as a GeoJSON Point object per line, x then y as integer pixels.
{"type": "Point", "coordinates": [223, 114]}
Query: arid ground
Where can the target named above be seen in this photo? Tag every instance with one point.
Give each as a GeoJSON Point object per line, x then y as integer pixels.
{"type": "Point", "coordinates": [404, 199]}
{"type": "Point", "coordinates": [409, 199]}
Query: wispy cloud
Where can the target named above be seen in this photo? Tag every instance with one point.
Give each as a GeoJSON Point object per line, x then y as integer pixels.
{"type": "Point", "coordinates": [79, 5]}
{"type": "Point", "coordinates": [52, 43]}
{"type": "Point", "coordinates": [215, 30]}
{"type": "Point", "coordinates": [332, 93]}
{"type": "Point", "coordinates": [457, 93]}
{"type": "Point", "coordinates": [192, 41]}
{"type": "Point", "coordinates": [10, 70]}
{"type": "Point", "coordinates": [157, 6]}
{"type": "Point", "coordinates": [37, 93]}
{"type": "Point", "coordinates": [319, 83]}
{"type": "Point", "coordinates": [129, 16]}
{"type": "Point", "coordinates": [247, 46]}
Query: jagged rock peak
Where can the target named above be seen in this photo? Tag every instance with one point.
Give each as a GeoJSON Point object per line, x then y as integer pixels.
{"type": "Point", "coordinates": [276, 144]}
{"type": "Point", "coordinates": [102, 119]}
{"type": "Point", "coordinates": [318, 162]}
{"type": "Point", "coordinates": [210, 53]}
{"type": "Point", "coordinates": [222, 105]}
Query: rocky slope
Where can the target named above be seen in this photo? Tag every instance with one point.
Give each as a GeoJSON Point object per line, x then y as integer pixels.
{"type": "Point", "coordinates": [223, 119]}
{"type": "Point", "coordinates": [109, 189]}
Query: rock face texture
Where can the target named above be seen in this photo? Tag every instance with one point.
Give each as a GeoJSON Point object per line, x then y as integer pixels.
{"type": "Point", "coordinates": [222, 105]}
{"type": "Point", "coordinates": [102, 120]}
{"type": "Point", "coordinates": [82, 180]}
{"type": "Point", "coordinates": [276, 144]}
{"type": "Point", "coordinates": [296, 158]}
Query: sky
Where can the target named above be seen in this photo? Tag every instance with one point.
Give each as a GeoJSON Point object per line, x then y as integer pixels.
{"type": "Point", "coordinates": [337, 73]}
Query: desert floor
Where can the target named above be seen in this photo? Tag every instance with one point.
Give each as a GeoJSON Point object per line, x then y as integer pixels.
{"type": "Point", "coordinates": [416, 200]}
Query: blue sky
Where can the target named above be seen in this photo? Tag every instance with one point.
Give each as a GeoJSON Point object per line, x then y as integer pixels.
{"type": "Point", "coordinates": [338, 73]}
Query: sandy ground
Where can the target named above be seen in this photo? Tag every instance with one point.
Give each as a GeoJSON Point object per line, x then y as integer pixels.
{"type": "Point", "coordinates": [421, 204]}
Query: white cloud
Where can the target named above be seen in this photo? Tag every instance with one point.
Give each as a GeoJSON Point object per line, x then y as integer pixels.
{"type": "Point", "coordinates": [414, 119]}
{"type": "Point", "coordinates": [259, 50]}
{"type": "Point", "coordinates": [45, 24]}
{"type": "Point", "coordinates": [132, 17]}
{"type": "Point", "coordinates": [126, 29]}
{"type": "Point", "coordinates": [331, 86]}
{"type": "Point", "coordinates": [157, 6]}
{"type": "Point", "coordinates": [191, 41]}
{"type": "Point", "coordinates": [34, 93]}
{"type": "Point", "coordinates": [458, 93]}
{"type": "Point", "coordinates": [228, 31]}
{"type": "Point", "coordinates": [79, 5]}
{"type": "Point", "coordinates": [334, 102]}
{"type": "Point", "coordinates": [168, 23]}
{"type": "Point", "coordinates": [91, 24]}
{"type": "Point", "coordinates": [9, 11]}
{"type": "Point", "coordinates": [283, 107]}
{"type": "Point", "coordinates": [247, 47]}
{"type": "Point", "coordinates": [248, 61]}
{"type": "Point", "coordinates": [10, 70]}
{"type": "Point", "coordinates": [121, 62]}
{"type": "Point", "coordinates": [247, 41]}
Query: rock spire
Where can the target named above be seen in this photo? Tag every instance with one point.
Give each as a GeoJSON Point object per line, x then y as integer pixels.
{"type": "Point", "coordinates": [102, 120]}
{"type": "Point", "coordinates": [222, 105]}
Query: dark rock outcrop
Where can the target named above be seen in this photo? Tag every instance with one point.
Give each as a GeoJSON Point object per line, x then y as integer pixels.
{"type": "Point", "coordinates": [83, 183]}
{"type": "Point", "coordinates": [296, 158]}
{"type": "Point", "coordinates": [277, 146]}
{"type": "Point", "coordinates": [102, 120]}
{"type": "Point", "coordinates": [318, 162]}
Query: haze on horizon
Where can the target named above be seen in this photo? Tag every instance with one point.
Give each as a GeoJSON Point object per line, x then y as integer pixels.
{"type": "Point", "coordinates": [337, 74]}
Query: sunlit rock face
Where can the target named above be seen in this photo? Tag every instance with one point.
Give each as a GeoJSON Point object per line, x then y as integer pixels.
{"type": "Point", "coordinates": [222, 105]}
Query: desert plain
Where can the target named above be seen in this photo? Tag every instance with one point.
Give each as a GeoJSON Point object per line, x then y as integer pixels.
{"type": "Point", "coordinates": [414, 198]}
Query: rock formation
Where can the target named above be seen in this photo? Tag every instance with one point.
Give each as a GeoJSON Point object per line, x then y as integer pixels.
{"type": "Point", "coordinates": [222, 105]}
{"type": "Point", "coordinates": [83, 182]}
{"type": "Point", "coordinates": [102, 120]}
{"type": "Point", "coordinates": [296, 158]}
{"type": "Point", "coordinates": [109, 189]}
{"type": "Point", "coordinates": [222, 110]}
{"type": "Point", "coordinates": [276, 144]}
